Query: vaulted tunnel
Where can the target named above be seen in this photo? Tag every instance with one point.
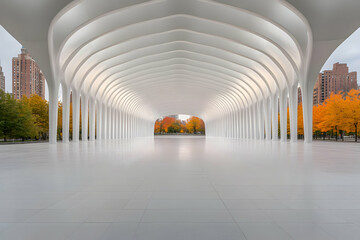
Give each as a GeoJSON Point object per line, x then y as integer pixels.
{"type": "Point", "coordinates": [228, 62]}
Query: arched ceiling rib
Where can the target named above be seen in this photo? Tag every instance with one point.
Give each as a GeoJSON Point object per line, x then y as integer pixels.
{"type": "Point", "coordinates": [178, 56]}
{"type": "Point", "coordinates": [284, 42]}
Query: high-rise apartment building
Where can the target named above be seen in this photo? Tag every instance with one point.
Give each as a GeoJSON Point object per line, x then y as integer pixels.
{"type": "Point", "coordinates": [339, 79]}
{"type": "Point", "coordinates": [27, 76]}
{"type": "Point", "coordinates": [2, 80]}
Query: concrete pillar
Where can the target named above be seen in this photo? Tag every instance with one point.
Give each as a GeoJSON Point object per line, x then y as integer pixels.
{"type": "Point", "coordinates": [76, 115]}
{"type": "Point", "coordinates": [84, 117]}
{"type": "Point", "coordinates": [261, 119]}
{"type": "Point", "coordinates": [53, 112]}
{"type": "Point", "coordinates": [65, 113]}
{"type": "Point", "coordinates": [108, 124]}
{"type": "Point", "coordinates": [104, 122]}
{"type": "Point", "coordinates": [248, 123]}
{"type": "Point", "coordinates": [283, 115]}
{"type": "Point", "coordinates": [293, 108]}
{"type": "Point", "coordinates": [99, 124]}
{"type": "Point", "coordinates": [307, 104]}
{"type": "Point", "coordinates": [274, 119]}
{"type": "Point", "coordinates": [267, 112]}
{"type": "Point", "coordinates": [91, 119]}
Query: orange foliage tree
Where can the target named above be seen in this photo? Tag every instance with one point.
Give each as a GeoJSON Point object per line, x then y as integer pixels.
{"type": "Point", "coordinates": [352, 112]}
{"type": "Point", "coordinates": [193, 125]}
{"type": "Point", "coordinates": [167, 122]}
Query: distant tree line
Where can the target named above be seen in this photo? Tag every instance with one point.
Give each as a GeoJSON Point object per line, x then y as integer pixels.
{"type": "Point", "coordinates": [28, 118]}
{"type": "Point", "coordinates": [23, 119]}
{"type": "Point", "coordinates": [170, 125]}
{"type": "Point", "coordinates": [337, 117]}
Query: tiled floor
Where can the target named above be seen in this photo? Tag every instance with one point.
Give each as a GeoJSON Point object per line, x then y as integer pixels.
{"type": "Point", "coordinates": [178, 188]}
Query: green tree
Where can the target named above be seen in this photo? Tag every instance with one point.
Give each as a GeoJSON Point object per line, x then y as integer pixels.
{"type": "Point", "coordinates": [8, 115]}
{"type": "Point", "coordinates": [40, 112]}
{"type": "Point", "coordinates": [25, 123]}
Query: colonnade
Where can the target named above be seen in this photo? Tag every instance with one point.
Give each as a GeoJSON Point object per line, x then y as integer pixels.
{"type": "Point", "coordinates": [257, 121]}
{"type": "Point", "coordinates": [99, 120]}
{"type": "Point", "coordinates": [260, 120]}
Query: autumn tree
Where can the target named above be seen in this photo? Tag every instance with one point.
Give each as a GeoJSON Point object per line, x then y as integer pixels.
{"type": "Point", "coordinates": [195, 125]}
{"type": "Point", "coordinates": [172, 125]}
{"type": "Point", "coordinates": [175, 127]}
{"type": "Point", "coordinates": [59, 128]}
{"type": "Point", "coordinates": [158, 125]}
{"type": "Point", "coordinates": [25, 123]}
{"type": "Point", "coordinates": [300, 120]}
{"type": "Point", "coordinates": [40, 112]}
{"type": "Point", "coordinates": [334, 113]}
{"type": "Point", "coordinates": [351, 112]}
{"type": "Point", "coordinates": [167, 122]}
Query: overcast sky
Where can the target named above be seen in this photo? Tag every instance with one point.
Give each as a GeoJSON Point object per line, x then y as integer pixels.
{"type": "Point", "coordinates": [348, 52]}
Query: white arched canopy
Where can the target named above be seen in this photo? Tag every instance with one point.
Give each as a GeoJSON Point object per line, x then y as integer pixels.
{"type": "Point", "coordinates": [232, 63]}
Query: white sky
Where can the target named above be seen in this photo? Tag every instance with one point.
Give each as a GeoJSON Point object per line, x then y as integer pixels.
{"type": "Point", "coordinates": [183, 117]}
{"type": "Point", "coordinates": [348, 52]}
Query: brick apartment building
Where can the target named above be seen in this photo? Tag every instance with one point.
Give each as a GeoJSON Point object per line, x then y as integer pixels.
{"type": "Point", "coordinates": [27, 77]}
{"type": "Point", "coordinates": [339, 79]}
{"type": "Point", "coordinates": [2, 80]}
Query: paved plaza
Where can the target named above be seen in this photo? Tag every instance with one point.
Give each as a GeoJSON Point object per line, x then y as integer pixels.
{"type": "Point", "coordinates": [180, 188]}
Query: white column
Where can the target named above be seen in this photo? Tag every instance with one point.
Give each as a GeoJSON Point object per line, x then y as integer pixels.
{"type": "Point", "coordinates": [91, 119]}
{"type": "Point", "coordinates": [108, 122]}
{"type": "Point", "coordinates": [99, 121]}
{"type": "Point", "coordinates": [76, 115]}
{"type": "Point", "coordinates": [256, 120]}
{"type": "Point", "coordinates": [111, 123]}
{"type": "Point", "coordinates": [307, 104]}
{"type": "Point", "coordinates": [253, 121]}
{"type": "Point", "coordinates": [120, 124]}
{"type": "Point", "coordinates": [283, 115]}
{"type": "Point", "coordinates": [243, 135]}
{"type": "Point", "coordinates": [261, 111]}
{"type": "Point", "coordinates": [293, 107]}
{"type": "Point", "coordinates": [65, 113]}
{"type": "Point", "coordinates": [84, 117]}
{"type": "Point", "coordinates": [104, 122]}
{"type": "Point", "coordinates": [267, 111]}
{"type": "Point", "coordinates": [53, 112]}
{"type": "Point", "coordinates": [116, 125]}
{"type": "Point", "coordinates": [274, 120]}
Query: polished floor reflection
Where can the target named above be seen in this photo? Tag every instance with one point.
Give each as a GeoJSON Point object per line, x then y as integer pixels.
{"type": "Point", "coordinates": [180, 188]}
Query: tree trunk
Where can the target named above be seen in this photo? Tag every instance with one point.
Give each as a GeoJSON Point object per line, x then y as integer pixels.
{"type": "Point", "coordinates": [356, 132]}
{"type": "Point", "coordinates": [336, 134]}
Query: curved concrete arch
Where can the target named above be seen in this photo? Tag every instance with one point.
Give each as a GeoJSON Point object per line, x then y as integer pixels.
{"type": "Point", "coordinates": [219, 79]}
{"type": "Point", "coordinates": [244, 62]}
{"type": "Point", "coordinates": [181, 37]}
{"type": "Point", "coordinates": [245, 76]}
{"type": "Point", "coordinates": [191, 76]}
{"type": "Point", "coordinates": [146, 87]}
{"type": "Point", "coordinates": [270, 30]}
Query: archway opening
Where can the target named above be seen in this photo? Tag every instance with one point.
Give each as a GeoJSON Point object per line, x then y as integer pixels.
{"type": "Point", "coordinates": [336, 95]}
{"type": "Point", "coordinates": [179, 124]}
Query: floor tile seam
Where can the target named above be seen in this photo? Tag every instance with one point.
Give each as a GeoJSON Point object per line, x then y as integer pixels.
{"type": "Point", "coordinates": [105, 231]}
{"type": "Point", "coordinates": [94, 210]}
{"type": "Point", "coordinates": [28, 217]}
{"type": "Point", "coordinates": [142, 216]}
{"type": "Point", "coordinates": [289, 234]}
{"type": "Point", "coordinates": [74, 230]}
{"type": "Point", "coordinates": [228, 211]}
